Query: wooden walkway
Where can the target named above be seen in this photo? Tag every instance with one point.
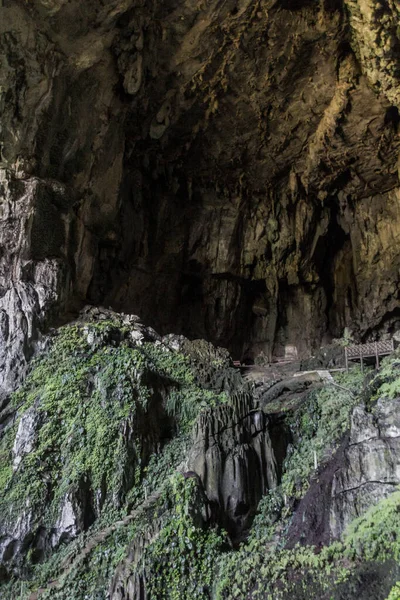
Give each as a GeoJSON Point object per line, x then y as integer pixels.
{"type": "Point", "coordinates": [371, 350]}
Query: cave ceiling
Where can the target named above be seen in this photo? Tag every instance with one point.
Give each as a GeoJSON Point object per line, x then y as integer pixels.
{"type": "Point", "coordinates": [225, 169]}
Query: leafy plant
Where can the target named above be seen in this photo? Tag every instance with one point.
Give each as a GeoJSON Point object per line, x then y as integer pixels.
{"type": "Point", "coordinates": [394, 592]}
{"type": "Point", "coordinates": [181, 562]}
{"type": "Point", "coordinates": [317, 427]}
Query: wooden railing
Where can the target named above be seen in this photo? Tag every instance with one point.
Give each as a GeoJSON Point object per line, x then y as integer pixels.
{"type": "Point", "coordinates": [370, 350]}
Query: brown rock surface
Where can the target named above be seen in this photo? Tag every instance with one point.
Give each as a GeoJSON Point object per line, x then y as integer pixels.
{"type": "Point", "coordinates": [225, 169]}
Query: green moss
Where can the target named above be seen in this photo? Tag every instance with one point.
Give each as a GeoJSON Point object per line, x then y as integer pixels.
{"type": "Point", "coordinates": [82, 396]}
{"type": "Point", "coordinates": [317, 426]}
{"type": "Point", "coordinates": [375, 535]}
{"type": "Point", "coordinates": [91, 393]}
{"type": "Point", "coordinates": [86, 394]}
{"type": "Point", "coordinates": [91, 577]}
{"type": "Point", "coordinates": [181, 562]}
{"type": "Point", "coordinates": [386, 383]}
{"type": "Point", "coordinates": [394, 592]}
{"type": "Point", "coordinates": [258, 573]}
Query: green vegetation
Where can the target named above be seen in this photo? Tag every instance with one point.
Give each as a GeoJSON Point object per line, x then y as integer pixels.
{"type": "Point", "coordinates": [91, 578]}
{"type": "Point", "coordinates": [184, 561]}
{"type": "Point", "coordinates": [82, 395]}
{"type": "Point", "coordinates": [375, 535]}
{"type": "Point", "coordinates": [96, 399]}
{"type": "Point", "coordinates": [386, 384]}
{"type": "Point", "coordinates": [103, 411]}
{"type": "Point", "coordinates": [317, 426]}
{"type": "Point", "coordinates": [394, 592]}
{"type": "Point", "coordinates": [303, 572]}
{"type": "Point", "coordinates": [181, 562]}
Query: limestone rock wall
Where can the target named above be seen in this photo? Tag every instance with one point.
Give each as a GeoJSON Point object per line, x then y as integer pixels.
{"type": "Point", "coordinates": [34, 278]}
{"type": "Point", "coordinates": [226, 170]}
{"type": "Point", "coordinates": [60, 168]}
{"type": "Point", "coordinates": [371, 468]}
{"type": "Point", "coordinates": [365, 469]}
{"type": "Point", "coordinates": [59, 518]}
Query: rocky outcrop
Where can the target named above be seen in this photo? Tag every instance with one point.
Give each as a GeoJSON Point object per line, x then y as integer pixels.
{"type": "Point", "coordinates": [371, 464]}
{"type": "Point", "coordinates": [33, 274]}
{"type": "Point", "coordinates": [376, 40]}
{"type": "Point", "coordinates": [26, 435]}
{"type": "Point", "coordinates": [147, 460]}
{"type": "Point", "coordinates": [38, 517]}
{"type": "Point", "coordinates": [90, 423]}
{"type": "Point", "coordinates": [55, 116]}
{"type": "Point", "coordinates": [365, 469]}
{"type": "Point", "coordinates": [233, 455]}
{"type": "Point", "coordinates": [131, 580]}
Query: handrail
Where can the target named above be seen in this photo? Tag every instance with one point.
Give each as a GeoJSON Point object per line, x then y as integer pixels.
{"type": "Point", "coordinates": [369, 350]}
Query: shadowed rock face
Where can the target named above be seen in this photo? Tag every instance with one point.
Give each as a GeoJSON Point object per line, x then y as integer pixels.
{"type": "Point", "coordinates": [364, 469]}
{"type": "Point", "coordinates": [234, 457]}
{"type": "Point", "coordinates": [371, 464]}
{"type": "Point", "coordinates": [226, 170]}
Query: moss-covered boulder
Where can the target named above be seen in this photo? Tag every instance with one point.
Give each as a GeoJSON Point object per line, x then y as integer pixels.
{"type": "Point", "coordinates": [98, 403]}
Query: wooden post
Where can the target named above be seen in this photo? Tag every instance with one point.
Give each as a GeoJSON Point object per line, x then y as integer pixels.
{"type": "Point", "coordinates": [361, 360]}
{"type": "Point", "coordinates": [376, 355]}
{"type": "Point", "coordinates": [346, 359]}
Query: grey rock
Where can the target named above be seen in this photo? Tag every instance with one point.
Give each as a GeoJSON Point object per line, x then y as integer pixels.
{"type": "Point", "coordinates": [363, 470]}
{"type": "Point", "coordinates": [387, 415]}
{"type": "Point", "coordinates": [371, 464]}
{"type": "Point", "coordinates": [363, 426]}
{"type": "Point", "coordinates": [288, 388]}
{"type": "Point", "coordinates": [233, 455]}
{"type": "Point", "coordinates": [14, 537]}
{"type": "Point", "coordinates": [69, 523]}
{"type": "Point", "coordinates": [31, 283]}
{"type": "Point", "coordinates": [26, 435]}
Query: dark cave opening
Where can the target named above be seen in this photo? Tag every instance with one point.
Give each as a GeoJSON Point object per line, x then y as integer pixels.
{"type": "Point", "coordinates": [392, 117]}
{"type": "Point", "coordinates": [162, 261]}
{"type": "Point", "coordinates": [333, 262]}
{"type": "Point", "coordinates": [177, 293]}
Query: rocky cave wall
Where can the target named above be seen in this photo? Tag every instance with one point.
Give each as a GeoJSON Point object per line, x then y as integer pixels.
{"type": "Point", "coordinates": [228, 170]}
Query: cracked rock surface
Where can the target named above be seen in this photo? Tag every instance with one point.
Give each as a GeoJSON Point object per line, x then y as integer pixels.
{"type": "Point", "coordinates": [371, 468]}
{"type": "Point", "coordinates": [226, 170]}
{"type": "Point", "coordinates": [365, 469]}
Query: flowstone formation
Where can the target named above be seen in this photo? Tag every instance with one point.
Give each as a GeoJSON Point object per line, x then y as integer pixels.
{"type": "Point", "coordinates": [228, 170]}
{"type": "Point", "coordinates": [137, 466]}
